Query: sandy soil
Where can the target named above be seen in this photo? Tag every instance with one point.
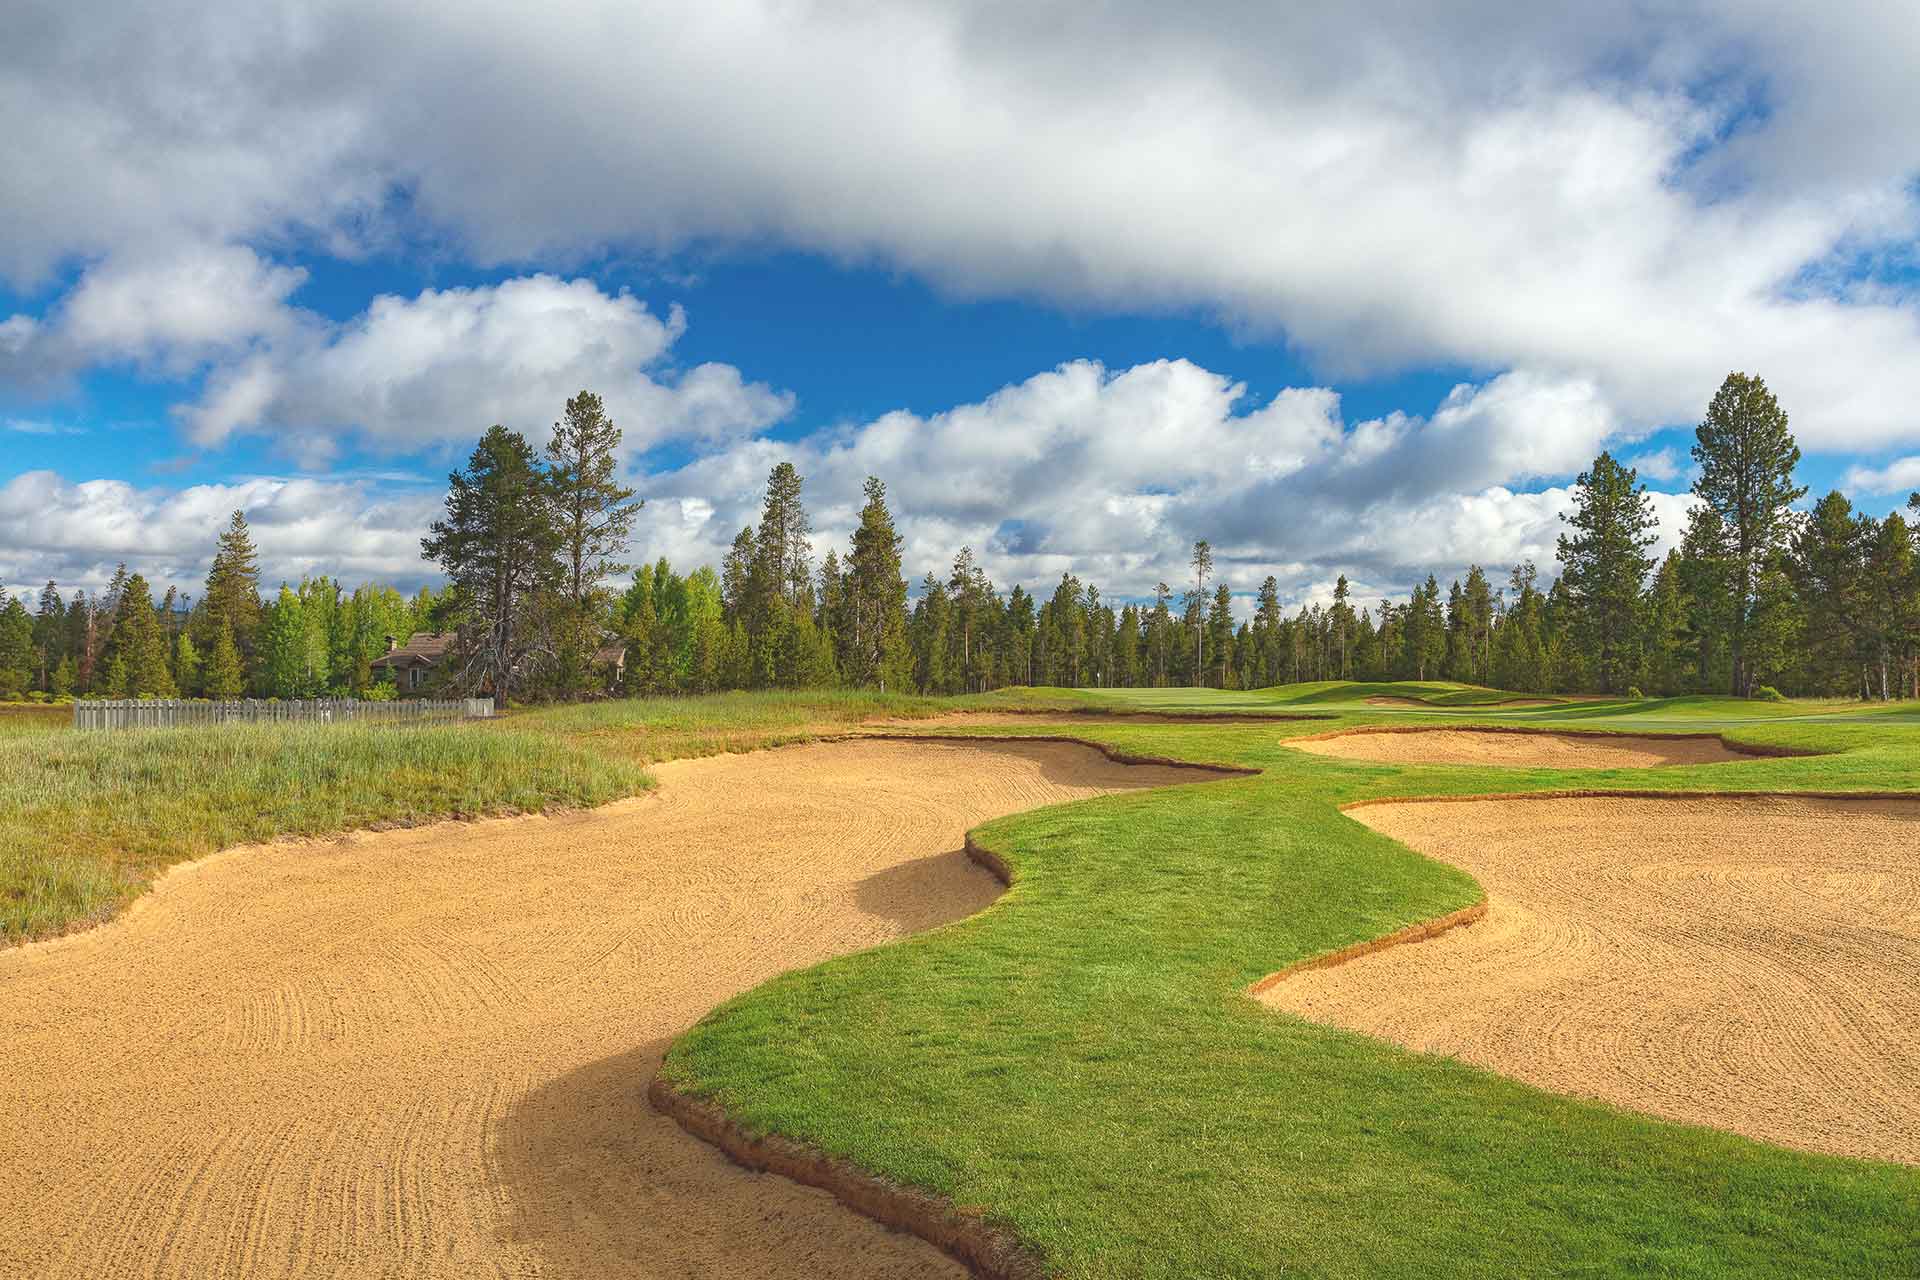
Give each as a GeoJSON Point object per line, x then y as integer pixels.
{"type": "Point", "coordinates": [1032, 719]}
{"type": "Point", "coordinates": [1385, 701]}
{"type": "Point", "coordinates": [1747, 964]}
{"type": "Point", "coordinates": [425, 1053]}
{"type": "Point", "coordinates": [1518, 750]}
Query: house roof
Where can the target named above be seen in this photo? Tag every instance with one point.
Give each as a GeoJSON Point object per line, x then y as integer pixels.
{"type": "Point", "coordinates": [610, 655]}
{"type": "Point", "coordinates": [422, 649]}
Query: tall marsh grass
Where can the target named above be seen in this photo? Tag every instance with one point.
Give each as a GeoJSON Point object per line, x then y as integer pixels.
{"type": "Point", "coordinates": [87, 819]}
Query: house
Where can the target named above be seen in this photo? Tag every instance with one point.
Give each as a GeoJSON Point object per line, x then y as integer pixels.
{"type": "Point", "coordinates": [611, 658]}
{"type": "Point", "coordinates": [413, 663]}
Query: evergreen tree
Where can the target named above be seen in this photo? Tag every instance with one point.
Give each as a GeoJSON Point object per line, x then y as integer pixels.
{"type": "Point", "coordinates": [1707, 582]}
{"type": "Point", "coordinates": [1746, 456]}
{"type": "Point", "coordinates": [500, 547]}
{"type": "Point", "coordinates": [1220, 628]}
{"type": "Point", "coordinates": [138, 647]}
{"type": "Point", "coordinates": [49, 634]}
{"type": "Point", "coordinates": [225, 678]}
{"type": "Point", "coordinates": [592, 509]}
{"type": "Point", "coordinates": [1827, 556]}
{"type": "Point", "coordinates": [1605, 563]}
{"type": "Point", "coordinates": [232, 597]}
{"type": "Point", "coordinates": [783, 569]}
{"type": "Point", "coordinates": [1890, 609]}
{"type": "Point", "coordinates": [876, 599]}
{"type": "Point", "coordinates": [16, 650]}
{"type": "Point", "coordinates": [1202, 563]}
{"type": "Point", "coordinates": [593, 518]}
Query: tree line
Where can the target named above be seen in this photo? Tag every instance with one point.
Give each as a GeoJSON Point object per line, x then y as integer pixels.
{"type": "Point", "coordinates": [1757, 597]}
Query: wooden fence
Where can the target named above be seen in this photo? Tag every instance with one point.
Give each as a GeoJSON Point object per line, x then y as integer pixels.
{"type": "Point", "coordinates": [161, 713]}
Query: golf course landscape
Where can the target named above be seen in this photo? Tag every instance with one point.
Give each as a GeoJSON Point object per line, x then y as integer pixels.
{"type": "Point", "coordinates": [1670, 1031]}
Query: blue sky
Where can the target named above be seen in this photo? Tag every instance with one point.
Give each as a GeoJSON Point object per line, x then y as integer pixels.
{"type": "Point", "coordinates": [1342, 295]}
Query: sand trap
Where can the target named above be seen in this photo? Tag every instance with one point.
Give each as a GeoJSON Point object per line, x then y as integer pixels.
{"type": "Point", "coordinates": [426, 1053]}
{"type": "Point", "coordinates": [1385, 701]}
{"type": "Point", "coordinates": [1031, 719]}
{"type": "Point", "coordinates": [1747, 964]}
{"type": "Point", "coordinates": [1517, 750]}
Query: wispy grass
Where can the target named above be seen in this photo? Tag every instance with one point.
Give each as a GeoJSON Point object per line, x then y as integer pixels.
{"type": "Point", "coordinates": [87, 819]}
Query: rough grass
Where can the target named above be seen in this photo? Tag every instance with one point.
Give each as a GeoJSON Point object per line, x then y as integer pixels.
{"type": "Point", "coordinates": [87, 820]}
{"type": "Point", "coordinates": [1080, 1062]}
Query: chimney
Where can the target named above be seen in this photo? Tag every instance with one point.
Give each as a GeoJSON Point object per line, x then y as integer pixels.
{"type": "Point", "coordinates": [392, 644]}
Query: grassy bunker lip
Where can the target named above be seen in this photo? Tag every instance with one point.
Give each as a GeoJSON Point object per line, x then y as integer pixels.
{"type": "Point", "coordinates": [984, 1248]}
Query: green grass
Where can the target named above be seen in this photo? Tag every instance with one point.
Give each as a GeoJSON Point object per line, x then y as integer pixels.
{"type": "Point", "coordinates": [1080, 1061]}
{"type": "Point", "coordinates": [25, 717]}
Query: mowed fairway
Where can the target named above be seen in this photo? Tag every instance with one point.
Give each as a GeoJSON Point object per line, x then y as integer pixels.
{"type": "Point", "coordinates": [426, 1053]}
{"type": "Point", "coordinates": [1744, 963]}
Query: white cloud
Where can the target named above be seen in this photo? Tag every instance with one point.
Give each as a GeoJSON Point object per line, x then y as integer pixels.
{"type": "Point", "coordinates": [1108, 474]}
{"type": "Point", "coordinates": [414, 373]}
{"type": "Point", "coordinates": [1898, 476]}
{"type": "Point", "coordinates": [74, 533]}
{"type": "Point", "coordinates": [169, 314]}
{"type": "Point", "coordinates": [1662, 465]}
{"type": "Point", "coordinates": [1113, 475]}
{"type": "Point", "coordinates": [1639, 199]}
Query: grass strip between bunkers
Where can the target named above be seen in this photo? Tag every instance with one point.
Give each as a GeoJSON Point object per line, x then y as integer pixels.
{"type": "Point", "coordinates": [1080, 1064]}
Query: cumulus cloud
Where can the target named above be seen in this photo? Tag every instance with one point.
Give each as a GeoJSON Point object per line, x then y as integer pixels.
{"type": "Point", "coordinates": [1639, 199]}
{"type": "Point", "coordinates": [1898, 476]}
{"type": "Point", "coordinates": [169, 314]}
{"type": "Point", "coordinates": [1108, 474]}
{"type": "Point", "coordinates": [412, 373]}
{"type": "Point", "coordinates": [1113, 476]}
{"type": "Point", "coordinates": [75, 533]}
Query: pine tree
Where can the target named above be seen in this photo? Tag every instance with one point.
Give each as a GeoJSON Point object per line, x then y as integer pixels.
{"type": "Point", "coordinates": [16, 650]}
{"type": "Point", "coordinates": [783, 567]}
{"type": "Point", "coordinates": [500, 547]}
{"type": "Point", "coordinates": [592, 509]}
{"type": "Point", "coordinates": [1827, 556]}
{"type": "Point", "coordinates": [1747, 457]}
{"type": "Point", "coordinates": [1605, 564]}
{"type": "Point", "coordinates": [1202, 563]}
{"type": "Point", "coordinates": [1707, 582]}
{"type": "Point", "coordinates": [232, 597]}
{"type": "Point", "coordinates": [1891, 611]}
{"type": "Point", "coordinates": [1220, 629]}
{"type": "Point", "coordinates": [139, 649]}
{"type": "Point", "coordinates": [876, 598]}
{"type": "Point", "coordinates": [49, 634]}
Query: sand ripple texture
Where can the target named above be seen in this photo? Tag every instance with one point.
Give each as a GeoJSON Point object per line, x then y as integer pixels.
{"type": "Point", "coordinates": [1514, 750]}
{"type": "Point", "coordinates": [425, 1053]}
{"type": "Point", "coordinates": [1751, 964]}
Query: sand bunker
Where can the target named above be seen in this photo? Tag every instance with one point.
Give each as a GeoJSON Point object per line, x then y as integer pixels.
{"type": "Point", "coordinates": [1032, 719]}
{"type": "Point", "coordinates": [1747, 964]}
{"type": "Point", "coordinates": [1384, 700]}
{"type": "Point", "coordinates": [426, 1052]}
{"type": "Point", "coordinates": [1517, 750]}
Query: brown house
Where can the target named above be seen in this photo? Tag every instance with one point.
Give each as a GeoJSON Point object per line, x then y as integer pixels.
{"type": "Point", "coordinates": [412, 663]}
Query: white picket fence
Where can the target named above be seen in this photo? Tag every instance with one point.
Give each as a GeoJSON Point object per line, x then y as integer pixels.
{"type": "Point", "coordinates": [162, 713]}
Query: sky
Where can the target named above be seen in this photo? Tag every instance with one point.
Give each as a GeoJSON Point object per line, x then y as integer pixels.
{"type": "Point", "coordinates": [1354, 289]}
